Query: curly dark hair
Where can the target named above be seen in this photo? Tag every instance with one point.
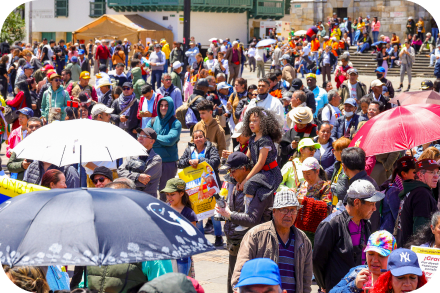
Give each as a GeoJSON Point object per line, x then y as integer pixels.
{"type": "Point", "coordinates": [269, 125]}
{"type": "Point", "coordinates": [425, 234]}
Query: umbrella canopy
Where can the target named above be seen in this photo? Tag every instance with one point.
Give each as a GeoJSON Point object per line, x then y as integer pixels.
{"type": "Point", "coordinates": [266, 42]}
{"type": "Point", "coordinates": [213, 39]}
{"type": "Point", "coordinates": [378, 43]}
{"type": "Point", "coordinates": [59, 143]}
{"type": "Point", "coordinates": [398, 129]}
{"type": "Point", "coordinates": [95, 227]}
{"type": "Point", "coordinates": [300, 33]}
{"type": "Point", "coordinates": [418, 97]}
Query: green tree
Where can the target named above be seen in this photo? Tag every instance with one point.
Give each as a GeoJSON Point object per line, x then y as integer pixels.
{"type": "Point", "coordinates": [13, 28]}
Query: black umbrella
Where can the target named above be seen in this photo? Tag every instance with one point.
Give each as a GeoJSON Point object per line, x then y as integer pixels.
{"type": "Point", "coordinates": [93, 227]}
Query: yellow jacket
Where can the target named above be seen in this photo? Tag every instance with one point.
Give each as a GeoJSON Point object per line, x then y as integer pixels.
{"type": "Point", "coordinates": [166, 50]}
{"type": "Point", "coordinates": [422, 24]}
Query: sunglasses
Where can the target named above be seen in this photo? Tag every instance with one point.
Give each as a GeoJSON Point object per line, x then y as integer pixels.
{"type": "Point", "coordinates": [100, 179]}
{"type": "Point", "coordinates": [126, 88]}
{"type": "Point", "coordinates": [56, 80]}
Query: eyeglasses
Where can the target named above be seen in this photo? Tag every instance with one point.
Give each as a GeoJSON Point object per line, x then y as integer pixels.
{"type": "Point", "coordinates": [56, 80]}
{"type": "Point", "coordinates": [143, 136]}
{"type": "Point", "coordinates": [286, 211]}
{"type": "Point", "coordinates": [254, 95]}
{"type": "Point", "coordinates": [168, 79]}
{"type": "Point", "coordinates": [433, 173]}
{"type": "Point", "coordinates": [100, 179]}
{"type": "Point", "coordinates": [126, 88]}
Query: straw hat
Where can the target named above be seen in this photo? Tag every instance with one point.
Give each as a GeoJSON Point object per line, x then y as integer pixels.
{"type": "Point", "coordinates": [302, 115]}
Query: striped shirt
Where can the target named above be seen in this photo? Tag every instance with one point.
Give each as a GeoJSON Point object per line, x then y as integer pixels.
{"type": "Point", "coordinates": [286, 263]}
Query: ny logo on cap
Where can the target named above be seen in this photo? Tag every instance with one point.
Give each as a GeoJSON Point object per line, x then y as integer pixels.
{"type": "Point", "coordinates": [404, 256]}
{"type": "Point", "coordinates": [403, 164]}
{"type": "Point", "coordinates": [432, 162]}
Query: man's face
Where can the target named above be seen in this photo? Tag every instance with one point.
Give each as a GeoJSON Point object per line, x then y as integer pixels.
{"type": "Point", "coordinates": [28, 72]}
{"type": "Point", "coordinates": [83, 82]}
{"type": "Point", "coordinates": [295, 102]}
{"type": "Point", "coordinates": [65, 76]}
{"type": "Point", "coordinates": [127, 91]}
{"type": "Point", "coordinates": [365, 210]}
{"type": "Point", "coordinates": [311, 82]}
{"type": "Point", "coordinates": [221, 78]}
{"type": "Point", "coordinates": [211, 82]}
{"type": "Point", "coordinates": [33, 126]}
{"type": "Point", "coordinates": [192, 45]}
{"type": "Point", "coordinates": [273, 82]}
{"type": "Point", "coordinates": [224, 91]}
{"type": "Point", "coordinates": [239, 174]}
{"type": "Point", "coordinates": [285, 217]}
{"type": "Point", "coordinates": [119, 70]}
{"type": "Point", "coordinates": [104, 89]}
{"type": "Point", "coordinates": [263, 88]}
{"type": "Point", "coordinates": [353, 78]}
{"type": "Point", "coordinates": [56, 82]}
{"type": "Point", "coordinates": [242, 139]}
{"type": "Point", "coordinates": [163, 108]}
{"type": "Point", "coordinates": [260, 289]}
{"type": "Point", "coordinates": [100, 181]}
{"type": "Point", "coordinates": [205, 115]}
{"type": "Point", "coordinates": [149, 95]}
{"type": "Point", "coordinates": [336, 100]}
{"type": "Point", "coordinates": [166, 81]}
{"type": "Point", "coordinates": [377, 90]}
{"type": "Point", "coordinates": [52, 45]}
{"type": "Point", "coordinates": [104, 117]}
{"type": "Point", "coordinates": [349, 108]}
{"type": "Point", "coordinates": [145, 140]}
{"type": "Point", "coordinates": [430, 177]}
{"type": "Point", "coordinates": [373, 110]}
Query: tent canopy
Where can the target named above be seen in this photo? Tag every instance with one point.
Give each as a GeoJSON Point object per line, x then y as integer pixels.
{"type": "Point", "coordinates": [133, 27]}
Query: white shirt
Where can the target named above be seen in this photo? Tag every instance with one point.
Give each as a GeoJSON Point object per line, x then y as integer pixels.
{"type": "Point", "coordinates": [259, 54]}
{"type": "Point", "coordinates": [272, 104]}
{"type": "Point", "coordinates": [211, 63]}
{"type": "Point", "coordinates": [306, 50]}
{"type": "Point", "coordinates": [223, 48]}
{"type": "Point", "coordinates": [252, 52]}
{"type": "Point", "coordinates": [353, 92]}
{"type": "Point", "coordinates": [331, 116]}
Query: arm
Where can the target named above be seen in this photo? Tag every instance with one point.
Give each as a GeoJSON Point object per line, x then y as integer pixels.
{"type": "Point", "coordinates": [123, 172]}
{"type": "Point", "coordinates": [347, 284]}
{"type": "Point", "coordinates": [115, 115]}
{"type": "Point", "coordinates": [221, 141]}
{"type": "Point", "coordinates": [154, 169]}
{"type": "Point", "coordinates": [15, 165]}
{"type": "Point", "coordinates": [391, 159]}
{"type": "Point", "coordinates": [172, 137]}
{"type": "Point", "coordinates": [16, 101]}
{"type": "Point", "coordinates": [246, 252]}
{"type": "Point", "coordinates": [321, 251]}
{"type": "Point", "coordinates": [184, 159]}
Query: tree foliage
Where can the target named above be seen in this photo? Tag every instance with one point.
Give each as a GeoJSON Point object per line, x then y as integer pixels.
{"type": "Point", "coordinates": [13, 28]}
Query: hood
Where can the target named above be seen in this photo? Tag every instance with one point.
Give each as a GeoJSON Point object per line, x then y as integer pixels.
{"type": "Point", "coordinates": [137, 74]}
{"type": "Point", "coordinates": [164, 120]}
{"type": "Point", "coordinates": [171, 282]}
{"type": "Point", "coordinates": [60, 89]}
{"type": "Point", "coordinates": [410, 185]}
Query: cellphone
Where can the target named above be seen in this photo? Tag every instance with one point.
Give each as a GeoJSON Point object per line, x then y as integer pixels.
{"type": "Point", "coordinates": [296, 138]}
{"type": "Point", "coordinates": [29, 161]}
{"type": "Point", "coordinates": [72, 104]}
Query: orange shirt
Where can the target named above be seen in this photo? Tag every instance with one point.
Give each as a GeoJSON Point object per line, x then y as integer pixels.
{"type": "Point", "coordinates": [328, 43]}
{"type": "Point", "coordinates": [315, 45]}
{"type": "Point", "coordinates": [341, 45]}
{"type": "Point", "coordinates": [335, 46]}
{"type": "Point", "coordinates": [292, 44]}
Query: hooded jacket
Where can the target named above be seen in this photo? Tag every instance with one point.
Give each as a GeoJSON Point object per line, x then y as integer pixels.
{"type": "Point", "coordinates": [171, 282]}
{"type": "Point", "coordinates": [59, 99]}
{"type": "Point", "coordinates": [167, 137]}
{"type": "Point", "coordinates": [138, 82]}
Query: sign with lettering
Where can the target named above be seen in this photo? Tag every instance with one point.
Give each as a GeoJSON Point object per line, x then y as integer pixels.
{"type": "Point", "coordinates": [42, 13]}
{"type": "Point", "coordinates": [429, 259]}
{"type": "Point", "coordinates": [397, 14]}
{"type": "Point", "coordinates": [297, 6]}
{"type": "Point", "coordinates": [11, 188]}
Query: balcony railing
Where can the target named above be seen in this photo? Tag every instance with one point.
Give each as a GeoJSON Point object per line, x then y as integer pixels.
{"type": "Point", "coordinates": [97, 9]}
{"type": "Point", "coordinates": [177, 5]}
{"type": "Point", "coordinates": [273, 9]}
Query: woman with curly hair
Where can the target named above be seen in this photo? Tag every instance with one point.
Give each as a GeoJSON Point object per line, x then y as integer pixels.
{"type": "Point", "coordinates": [31, 279]}
{"type": "Point", "coordinates": [265, 177]}
{"type": "Point", "coordinates": [429, 235]}
{"type": "Point", "coordinates": [404, 273]}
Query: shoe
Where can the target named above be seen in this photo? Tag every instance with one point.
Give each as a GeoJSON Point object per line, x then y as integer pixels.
{"type": "Point", "coordinates": [218, 241]}
{"type": "Point", "coordinates": [407, 90]}
{"type": "Point", "coordinates": [241, 228]}
{"type": "Point", "coordinates": [400, 88]}
{"type": "Point", "coordinates": [208, 229]}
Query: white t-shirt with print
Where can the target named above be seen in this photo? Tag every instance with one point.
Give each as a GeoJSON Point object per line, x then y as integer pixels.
{"type": "Point", "coordinates": [330, 117]}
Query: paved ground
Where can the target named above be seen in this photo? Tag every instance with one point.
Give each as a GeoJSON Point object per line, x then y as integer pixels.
{"type": "Point", "coordinates": [212, 268]}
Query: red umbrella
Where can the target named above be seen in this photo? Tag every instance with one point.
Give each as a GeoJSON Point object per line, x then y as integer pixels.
{"type": "Point", "coordinates": [398, 129]}
{"type": "Point", "coordinates": [418, 97]}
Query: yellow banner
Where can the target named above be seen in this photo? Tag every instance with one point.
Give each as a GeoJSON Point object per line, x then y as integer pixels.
{"type": "Point", "coordinates": [11, 187]}
{"type": "Point", "coordinates": [201, 184]}
{"type": "Point", "coordinates": [429, 259]}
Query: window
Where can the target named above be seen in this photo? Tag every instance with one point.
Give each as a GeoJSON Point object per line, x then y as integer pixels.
{"type": "Point", "coordinates": [61, 8]}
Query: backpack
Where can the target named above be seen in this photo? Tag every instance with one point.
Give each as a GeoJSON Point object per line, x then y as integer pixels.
{"type": "Point", "coordinates": [181, 112]}
{"type": "Point", "coordinates": [319, 117]}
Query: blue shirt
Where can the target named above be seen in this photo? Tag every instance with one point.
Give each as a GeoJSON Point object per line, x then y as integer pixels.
{"type": "Point", "coordinates": [196, 155]}
{"type": "Point", "coordinates": [321, 99]}
{"type": "Point", "coordinates": [191, 54]}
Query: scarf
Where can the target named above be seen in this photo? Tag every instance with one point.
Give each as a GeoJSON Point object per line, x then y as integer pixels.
{"type": "Point", "coordinates": [262, 97]}
{"type": "Point", "coordinates": [307, 129]}
{"type": "Point", "coordinates": [399, 182]}
{"type": "Point", "coordinates": [241, 95]}
{"type": "Point", "coordinates": [167, 92]}
{"type": "Point", "coordinates": [124, 101]}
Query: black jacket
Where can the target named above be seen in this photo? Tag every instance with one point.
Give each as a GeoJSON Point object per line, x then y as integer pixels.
{"type": "Point", "coordinates": [333, 59]}
{"type": "Point", "coordinates": [194, 105]}
{"type": "Point", "coordinates": [34, 97]}
{"type": "Point", "coordinates": [385, 101]}
{"type": "Point", "coordinates": [133, 121]}
{"type": "Point", "coordinates": [85, 66]}
{"type": "Point", "coordinates": [339, 127]}
{"type": "Point", "coordinates": [211, 157]}
{"type": "Point", "coordinates": [333, 254]}
{"type": "Point", "coordinates": [379, 58]}
{"type": "Point", "coordinates": [389, 85]}
{"type": "Point", "coordinates": [368, 40]}
{"type": "Point", "coordinates": [286, 144]}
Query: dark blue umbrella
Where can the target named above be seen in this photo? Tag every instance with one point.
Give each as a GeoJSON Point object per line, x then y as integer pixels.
{"type": "Point", "coordinates": [93, 227]}
{"type": "Point", "coordinates": [377, 43]}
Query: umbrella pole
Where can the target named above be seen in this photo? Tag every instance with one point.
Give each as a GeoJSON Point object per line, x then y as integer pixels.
{"type": "Point", "coordinates": [85, 278]}
{"type": "Point", "coordinates": [80, 165]}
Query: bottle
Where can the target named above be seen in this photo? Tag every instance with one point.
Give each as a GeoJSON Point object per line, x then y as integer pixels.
{"type": "Point", "coordinates": [340, 206]}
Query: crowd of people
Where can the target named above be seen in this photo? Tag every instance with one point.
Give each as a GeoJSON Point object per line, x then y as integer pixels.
{"type": "Point", "coordinates": [302, 205]}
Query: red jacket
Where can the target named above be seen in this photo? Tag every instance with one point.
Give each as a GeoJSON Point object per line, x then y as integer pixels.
{"type": "Point", "coordinates": [141, 102]}
{"type": "Point", "coordinates": [102, 52]}
{"type": "Point", "coordinates": [16, 103]}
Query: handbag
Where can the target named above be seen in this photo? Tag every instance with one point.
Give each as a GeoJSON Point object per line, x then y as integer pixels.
{"type": "Point", "coordinates": [190, 118]}
{"type": "Point", "coordinates": [11, 113]}
{"type": "Point", "coordinates": [53, 114]}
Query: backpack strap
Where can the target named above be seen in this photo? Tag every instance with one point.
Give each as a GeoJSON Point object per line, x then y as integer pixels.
{"type": "Point", "coordinates": [193, 100]}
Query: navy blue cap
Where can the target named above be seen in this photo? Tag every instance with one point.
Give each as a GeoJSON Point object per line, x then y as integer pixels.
{"type": "Point", "coordinates": [259, 271]}
{"type": "Point", "coordinates": [351, 101]}
{"type": "Point", "coordinates": [403, 261]}
{"type": "Point", "coordinates": [74, 59]}
{"type": "Point", "coordinates": [236, 160]}
{"type": "Point", "coordinates": [26, 111]}
{"type": "Point", "coordinates": [27, 66]}
{"type": "Point", "coordinates": [380, 69]}
{"type": "Point", "coordinates": [295, 85]}
{"type": "Point", "coordinates": [127, 84]}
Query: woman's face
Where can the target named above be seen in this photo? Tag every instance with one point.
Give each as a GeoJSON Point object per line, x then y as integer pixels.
{"type": "Point", "coordinates": [436, 231]}
{"type": "Point", "coordinates": [405, 283]}
{"type": "Point", "coordinates": [22, 119]}
{"type": "Point", "coordinates": [311, 176]}
{"type": "Point", "coordinates": [376, 262]}
{"type": "Point", "coordinates": [84, 112]}
{"type": "Point", "coordinates": [364, 107]}
{"type": "Point", "coordinates": [239, 88]}
{"type": "Point", "coordinates": [254, 123]}
{"type": "Point", "coordinates": [59, 184]}
{"type": "Point", "coordinates": [307, 152]}
{"type": "Point", "coordinates": [174, 198]}
{"type": "Point", "coordinates": [199, 139]}
{"type": "Point", "coordinates": [34, 85]}
{"type": "Point", "coordinates": [411, 174]}
{"type": "Point", "coordinates": [254, 94]}
{"type": "Point", "coordinates": [329, 86]}
{"type": "Point", "coordinates": [324, 133]}
{"type": "Point", "coordinates": [337, 155]}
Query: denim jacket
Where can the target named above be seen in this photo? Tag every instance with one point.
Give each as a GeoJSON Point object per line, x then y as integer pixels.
{"type": "Point", "coordinates": [347, 284]}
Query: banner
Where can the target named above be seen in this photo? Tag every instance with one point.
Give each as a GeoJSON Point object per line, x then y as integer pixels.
{"type": "Point", "coordinates": [429, 259]}
{"type": "Point", "coordinates": [201, 184]}
{"type": "Point", "coordinates": [11, 188]}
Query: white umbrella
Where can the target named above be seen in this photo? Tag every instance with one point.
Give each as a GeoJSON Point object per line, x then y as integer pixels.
{"type": "Point", "coordinates": [300, 33]}
{"type": "Point", "coordinates": [266, 42]}
{"type": "Point", "coordinates": [61, 143]}
{"type": "Point", "coordinates": [213, 39]}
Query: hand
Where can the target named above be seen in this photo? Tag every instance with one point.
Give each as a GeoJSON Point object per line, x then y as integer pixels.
{"type": "Point", "coordinates": [362, 278]}
{"type": "Point", "coordinates": [294, 144]}
{"type": "Point", "coordinates": [34, 107]}
{"type": "Point", "coordinates": [153, 64]}
{"type": "Point", "coordinates": [144, 179]}
{"type": "Point", "coordinates": [241, 185]}
{"type": "Point", "coordinates": [123, 119]}
{"type": "Point", "coordinates": [44, 120]}
{"type": "Point", "coordinates": [225, 154]}
{"type": "Point", "coordinates": [229, 105]}
{"type": "Point", "coordinates": [25, 164]}
{"type": "Point", "coordinates": [194, 163]}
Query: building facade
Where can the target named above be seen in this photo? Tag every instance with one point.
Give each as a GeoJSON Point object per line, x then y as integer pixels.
{"type": "Point", "coordinates": [392, 14]}
{"type": "Point", "coordinates": [236, 19]}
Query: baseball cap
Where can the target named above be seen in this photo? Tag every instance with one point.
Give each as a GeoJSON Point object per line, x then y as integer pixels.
{"type": "Point", "coordinates": [238, 130]}
{"type": "Point", "coordinates": [177, 65]}
{"type": "Point", "coordinates": [285, 198]}
{"type": "Point", "coordinates": [311, 75]}
{"type": "Point", "coordinates": [377, 82]}
{"type": "Point", "coordinates": [380, 69]}
{"type": "Point", "coordinates": [52, 75]}
{"type": "Point", "coordinates": [163, 41]}
{"type": "Point", "coordinates": [406, 161]}
{"type": "Point", "coordinates": [236, 160]}
{"type": "Point", "coordinates": [364, 189]}
{"type": "Point", "coordinates": [27, 66]}
{"type": "Point", "coordinates": [25, 111]}
{"type": "Point", "coordinates": [425, 84]}
{"type": "Point", "coordinates": [296, 84]}
{"type": "Point", "coordinates": [47, 67]}
{"type": "Point", "coordinates": [351, 101]}
{"type": "Point", "coordinates": [310, 163]}
{"type": "Point", "coordinates": [203, 82]}
{"type": "Point", "coordinates": [84, 75]}
{"type": "Point", "coordinates": [381, 242]}
{"type": "Point", "coordinates": [127, 84]}
{"type": "Point", "coordinates": [326, 37]}
{"type": "Point", "coordinates": [223, 85]}
{"type": "Point", "coordinates": [403, 261]}
{"type": "Point", "coordinates": [308, 142]}
{"type": "Point", "coordinates": [81, 52]}
{"type": "Point", "coordinates": [285, 57]}
{"type": "Point", "coordinates": [259, 271]}
{"type": "Point", "coordinates": [101, 170]}
{"type": "Point", "coordinates": [426, 164]}
{"type": "Point", "coordinates": [148, 131]}
{"type": "Point", "coordinates": [101, 108]}
{"type": "Point", "coordinates": [173, 185]}
{"type": "Point", "coordinates": [352, 70]}
{"type": "Point", "coordinates": [157, 46]}
{"type": "Point", "coordinates": [74, 59]}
